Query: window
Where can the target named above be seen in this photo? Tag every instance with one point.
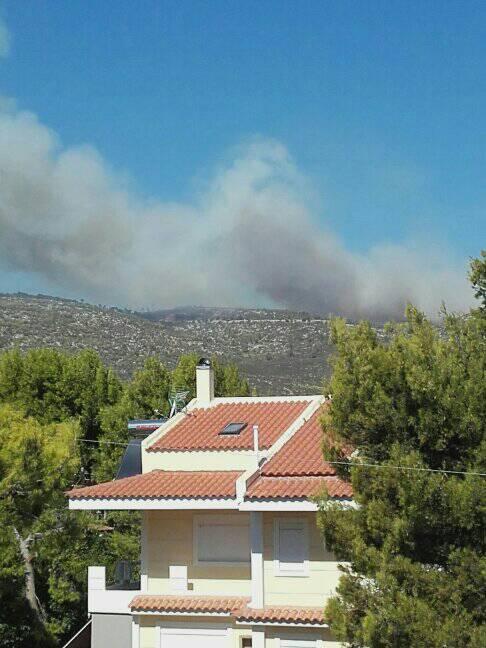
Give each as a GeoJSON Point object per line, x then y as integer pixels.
{"type": "Point", "coordinates": [291, 547]}
{"type": "Point", "coordinates": [221, 539]}
{"type": "Point", "coordinates": [233, 428]}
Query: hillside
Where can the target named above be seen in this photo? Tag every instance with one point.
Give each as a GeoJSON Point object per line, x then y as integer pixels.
{"type": "Point", "coordinates": [279, 351]}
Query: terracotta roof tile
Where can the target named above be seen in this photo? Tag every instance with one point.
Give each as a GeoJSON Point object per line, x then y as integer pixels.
{"type": "Point", "coordinates": [231, 605]}
{"type": "Point", "coordinates": [298, 469]}
{"type": "Point", "coordinates": [197, 604]}
{"type": "Point", "coordinates": [164, 484]}
{"type": "Point", "coordinates": [302, 454]}
{"type": "Point", "coordinates": [200, 428]}
{"type": "Point", "coordinates": [282, 614]}
{"type": "Point", "coordinates": [298, 488]}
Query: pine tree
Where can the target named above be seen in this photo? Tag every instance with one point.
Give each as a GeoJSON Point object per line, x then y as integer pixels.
{"type": "Point", "coordinates": [415, 545]}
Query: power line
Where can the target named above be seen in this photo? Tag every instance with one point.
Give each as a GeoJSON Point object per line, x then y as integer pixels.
{"type": "Point", "coordinates": [103, 442]}
{"type": "Point", "coordinates": [434, 470]}
{"type": "Point", "coordinates": [344, 463]}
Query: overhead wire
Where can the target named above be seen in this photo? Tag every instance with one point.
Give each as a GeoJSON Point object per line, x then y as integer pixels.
{"type": "Point", "coordinates": [343, 463]}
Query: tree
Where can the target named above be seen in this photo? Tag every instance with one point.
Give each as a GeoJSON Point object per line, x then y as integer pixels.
{"type": "Point", "coordinates": [415, 545]}
{"type": "Point", "coordinates": [44, 548]}
{"type": "Point", "coordinates": [63, 420]}
{"type": "Point", "coordinates": [230, 383]}
{"type": "Point", "coordinates": [477, 277]}
{"type": "Point", "coordinates": [148, 391]}
{"type": "Point", "coordinates": [53, 386]}
{"type": "Point", "coordinates": [37, 463]}
{"type": "Point", "coordinates": [146, 394]}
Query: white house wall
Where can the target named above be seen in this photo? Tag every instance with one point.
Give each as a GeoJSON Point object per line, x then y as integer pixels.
{"type": "Point", "coordinates": [199, 460]}
{"type": "Point", "coordinates": [170, 542]}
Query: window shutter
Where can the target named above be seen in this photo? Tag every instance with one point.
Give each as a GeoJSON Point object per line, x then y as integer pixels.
{"type": "Point", "coordinates": [222, 540]}
{"type": "Point", "coordinates": [291, 546]}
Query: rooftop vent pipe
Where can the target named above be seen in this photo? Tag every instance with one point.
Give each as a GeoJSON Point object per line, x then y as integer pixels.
{"type": "Point", "coordinates": [256, 448]}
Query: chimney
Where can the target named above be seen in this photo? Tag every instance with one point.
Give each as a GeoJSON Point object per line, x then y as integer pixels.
{"type": "Point", "coordinates": [204, 382]}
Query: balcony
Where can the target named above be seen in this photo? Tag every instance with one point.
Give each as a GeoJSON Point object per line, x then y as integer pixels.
{"type": "Point", "coordinates": [114, 597]}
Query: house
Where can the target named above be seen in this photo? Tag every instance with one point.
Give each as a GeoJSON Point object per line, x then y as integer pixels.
{"type": "Point", "coordinates": [231, 556]}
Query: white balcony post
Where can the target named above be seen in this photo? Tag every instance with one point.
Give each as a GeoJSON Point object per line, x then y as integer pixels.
{"type": "Point", "coordinates": [96, 582]}
{"type": "Point", "coordinates": [135, 632]}
{"type": "Point", "coordinates": [258, 638]}
{"type": "Point", "coordinates": [144, 553]}
{"type": "Point", "coordinates": [256, 541]}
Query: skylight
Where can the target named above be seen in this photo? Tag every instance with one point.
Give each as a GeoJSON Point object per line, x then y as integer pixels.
{"type": "Point", "coordinates": [233, 428]}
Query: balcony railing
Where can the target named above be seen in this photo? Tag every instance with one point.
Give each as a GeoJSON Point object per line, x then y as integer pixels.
{"type": "Point", "coordinates": [125, 575]}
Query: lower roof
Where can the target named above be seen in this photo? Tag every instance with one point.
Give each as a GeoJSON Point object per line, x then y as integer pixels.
{"type": "Point", "coordinates": [189, 603]}
{"type": "Point", "coordinates": [298, 470]}
{"type": "Point", "coordinates": [282, 614]}
{"type": "Point", "coordinates": [159, 484]}
{"type": "Point", "coordinates": [235, 606]}
{"type": "Point", "coordinates": [276, 488]}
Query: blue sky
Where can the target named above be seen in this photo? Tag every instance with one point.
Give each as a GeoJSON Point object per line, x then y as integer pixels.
{"type": "Point", "coordinates": [380, 105]}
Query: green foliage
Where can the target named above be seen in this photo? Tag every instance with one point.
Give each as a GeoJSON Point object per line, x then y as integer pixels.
{"type": "Point", "coordinates": [229, 381]}
{"type": "Point", "coordinates": [477, 277]}
{"type": "Point", "coordinates": [53, 386]}
{"type": "Point", "coordinates": [52, 408]}
{"type": "Point", "coordinates": [148, 392]}
{"type": "Point", "coordinates": [415, 546]}
{"type": "Point", "coordinates": [37, 463]}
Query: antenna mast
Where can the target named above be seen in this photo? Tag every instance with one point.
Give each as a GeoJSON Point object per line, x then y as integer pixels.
{"type": "Point", "coordinates": [177, 400]}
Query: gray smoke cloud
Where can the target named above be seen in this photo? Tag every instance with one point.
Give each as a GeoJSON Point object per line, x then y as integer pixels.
{"type": "Point", "coordinates": [250, 237]}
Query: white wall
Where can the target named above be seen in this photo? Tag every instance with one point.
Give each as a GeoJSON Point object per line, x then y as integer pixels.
{"type": "Point", "coordinates": [170, 542]}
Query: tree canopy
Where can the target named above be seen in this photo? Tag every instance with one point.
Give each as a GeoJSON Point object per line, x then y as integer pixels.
{"type": "Point", "coordinates": [409, 404]}
{"type": "Point", "coordinates": [63, 421]}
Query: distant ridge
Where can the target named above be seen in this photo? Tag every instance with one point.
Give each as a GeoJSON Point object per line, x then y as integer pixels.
{"type": "Point", "coordinates": [281, 352]}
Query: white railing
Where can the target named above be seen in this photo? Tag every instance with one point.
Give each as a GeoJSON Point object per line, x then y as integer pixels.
{"type": "Point", "coordinates": [103, 600]}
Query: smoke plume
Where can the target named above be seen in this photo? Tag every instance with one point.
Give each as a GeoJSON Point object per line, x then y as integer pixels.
{"type": "Point", "coordinates": [251, 237]}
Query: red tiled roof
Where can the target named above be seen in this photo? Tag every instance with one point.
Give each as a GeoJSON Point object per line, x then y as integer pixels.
{"type": "Point", "coordinates": [200, 428]}
{"type": "Point", "coordinates": [298, 469]}
{"type": "Point", "coordinates": [302, 454]}
{"type": "Point", "coordinates": [298, 487]}
{"type": "Point", "coordinates": [198, 604]}
{"type": "Point", "coordinates": [282, 614]}
{"type": "Point", "coordinates": [164, 484]}
{"type": "Point", "coordinates": [231, 605]}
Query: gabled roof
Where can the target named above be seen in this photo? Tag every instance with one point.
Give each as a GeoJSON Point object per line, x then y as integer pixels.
{"type": "Point", "coordinates": [200, 428]}
{"type": "Point", "coordinates": [298, 469]}
{"type": "Point", "coordinates": [159, 484]}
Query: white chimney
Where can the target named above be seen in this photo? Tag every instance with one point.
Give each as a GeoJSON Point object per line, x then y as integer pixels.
{"type": "Point", "coordinates": [204, 382]}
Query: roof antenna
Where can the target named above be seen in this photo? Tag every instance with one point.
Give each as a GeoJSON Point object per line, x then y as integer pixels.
{"type": "Point", "coordinates": [177, 400]}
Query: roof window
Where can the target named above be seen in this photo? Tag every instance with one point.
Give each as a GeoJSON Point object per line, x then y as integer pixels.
{"type": "Point", "coordinates": [233, 428]}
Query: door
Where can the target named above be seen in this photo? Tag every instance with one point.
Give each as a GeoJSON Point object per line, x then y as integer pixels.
{"type": "Point", "coordinates": [193, 638]}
